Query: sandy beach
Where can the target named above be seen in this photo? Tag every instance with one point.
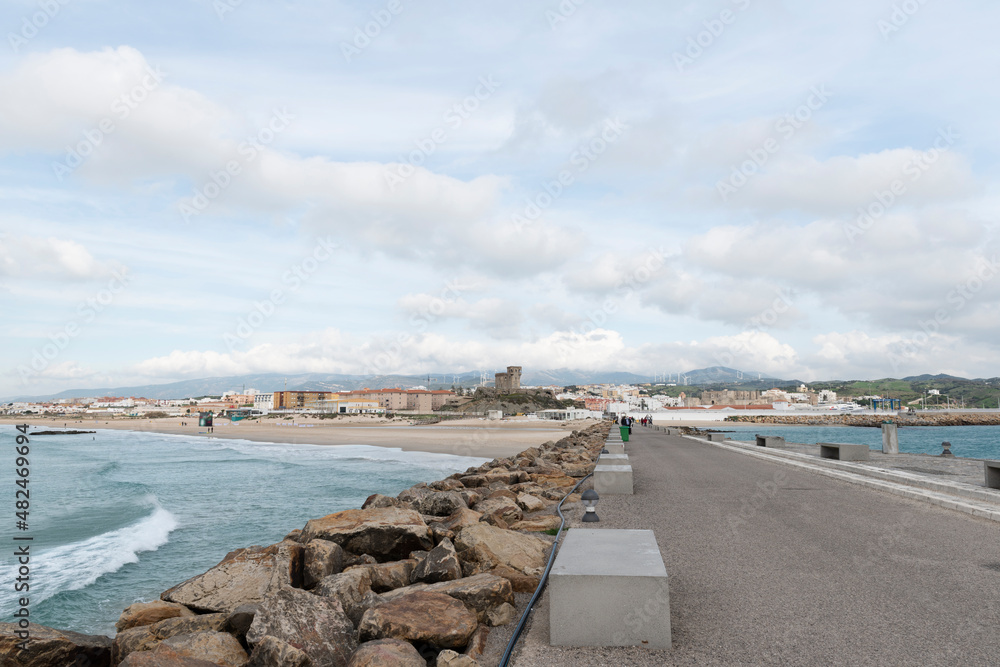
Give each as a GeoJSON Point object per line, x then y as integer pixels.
{"type": "Point", "coordinates": [464, 437]}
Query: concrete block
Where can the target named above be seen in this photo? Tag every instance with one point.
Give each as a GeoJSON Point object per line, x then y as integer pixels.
{"type": "Point", "coordinates": [716, 437]}
{"type": "Point", "coordinates": [843, 451]}
{"type": "Point", "coordinates": [609, 588]}
{"type": "Point", "coordinates": [890, 438]}
{"type": "Point", "coordinates": [613, 459]}
{"type": "Point", "coordinates": [992, 474]}
{"type": "Point", "coordinates": [615, 447]}
{"type": "Point", "coordinates": [770, 441]}
{"type": "Point", "coordinates": [613, 479]}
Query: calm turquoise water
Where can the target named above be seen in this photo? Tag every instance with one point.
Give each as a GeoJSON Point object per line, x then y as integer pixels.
{"type": "Point", "coordinates": [119, 517]}
{"type": "Point", "coordinates": [979, 442]}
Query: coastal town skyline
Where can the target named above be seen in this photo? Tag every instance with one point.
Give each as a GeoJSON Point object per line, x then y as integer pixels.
{"type": "Point", "coordinates": [629, 188]}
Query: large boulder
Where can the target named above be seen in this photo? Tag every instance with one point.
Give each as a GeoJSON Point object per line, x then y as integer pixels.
{"type": "Point", "coordinates": [321, 559]}
{"type": "Point", "coordinates": [378, 500]}
{"type": "Point", "coordinates": [440, 564]}
{"type": "Point", "coordinates": [481, 593]}
{"type": "Point", "coordinates": [389, 576]}
{"type": "Point", "coordinates": [449, 658]}
{"type": "Point", "coordinates": [422, 616]}
{"type": "Point", "coordinates": [387, 533]}
{"type": "Point", "coordinates": [243, 576]}
{"type": "Point", "coordinates": [387, 653]}
{"type": "Point", "coordinates": [218, 648]}
{"type": "Point", "coordinates": [147, 613]}
{"type": "Point", "coordinates": [524, 553]}
{"type": "Point", "coordinates": [164, 657]}
{"type": "Point", "coordinates": [459, 519]}
{"type": "Point", "coordinates": [313, 624]}
{"type": "Point", "coordinates": [530, 503]}
{"type": "Point", "coordinates": [538, 524]}
{"type": "Point", "coordinates": [49, 647]}
{"type": "Point", "coordinates": [349, 588]}
{"type": "Point", "coordinates": [501, 506]}
{"type": "Point", "coordinates": [272, 652]}
{"type": "Point", "coordinates": [441, 503]}
{"type": "Point", "coordinates": [147, 637]}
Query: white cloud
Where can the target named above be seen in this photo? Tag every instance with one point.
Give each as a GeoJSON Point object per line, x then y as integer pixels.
{"type": "Point", "coordinates": [49, 258]}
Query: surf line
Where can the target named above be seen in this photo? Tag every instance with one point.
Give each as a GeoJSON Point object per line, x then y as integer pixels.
{"type": "Point", "coordinates": [23, 551]}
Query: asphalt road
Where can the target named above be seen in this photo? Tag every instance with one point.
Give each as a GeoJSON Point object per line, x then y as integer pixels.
{"type": "Point", "coordinates": [770, 565]}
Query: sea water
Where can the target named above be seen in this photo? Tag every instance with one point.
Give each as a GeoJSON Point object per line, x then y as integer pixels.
{"type": "Point", "coordinates": [118, 517]}
{"type": "Point", "coordinates": [977, 442]}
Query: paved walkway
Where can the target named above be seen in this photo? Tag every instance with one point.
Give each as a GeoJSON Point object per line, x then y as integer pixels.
{"type": "Point", "coordinates": [774, 565]}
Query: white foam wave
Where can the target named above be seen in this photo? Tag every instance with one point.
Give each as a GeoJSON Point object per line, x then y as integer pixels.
{"type": "Point", "coordinates": [74, 566]}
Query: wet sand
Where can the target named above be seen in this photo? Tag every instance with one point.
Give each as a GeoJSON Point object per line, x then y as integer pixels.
{"type": "Point", "coordinates": [464, 437]}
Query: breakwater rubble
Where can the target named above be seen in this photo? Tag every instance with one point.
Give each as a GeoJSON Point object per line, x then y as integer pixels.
{"type": "Point", "coordinates": [943, 419]}
{"type": "Point", "coordinates": [418, 580]}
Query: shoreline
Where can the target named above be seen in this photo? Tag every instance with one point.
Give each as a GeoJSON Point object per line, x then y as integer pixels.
{"type": "Point", "coordinates": [466, 437]}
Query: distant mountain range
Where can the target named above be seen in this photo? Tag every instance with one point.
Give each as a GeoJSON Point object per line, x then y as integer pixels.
{"type": "Point", "coordinates": [215, 386]}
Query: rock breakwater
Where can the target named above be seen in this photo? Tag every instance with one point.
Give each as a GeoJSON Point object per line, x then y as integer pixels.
{"type": "Point", "coordinates": [416, 579]}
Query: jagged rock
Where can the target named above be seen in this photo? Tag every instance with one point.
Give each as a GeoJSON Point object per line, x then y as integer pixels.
{"type": "Point", "coordinates": [293, 535]}
{"type": "Point", "coordinates": [387, 653]}
{"type": "Point", "coordinates": [442, 503]}
{"type": "Point", "coordinates": [218, 648]}
{"type": "Point", "coordinates": [530, 503]}
{"type": "Point", "coordinates": [449, 658]}
{"type": "Point", "coordinates": [350, 560]}
{"type": "Point", "coordinates": [164, 657]}
{"type": "Point", "coordinates": [481, 593]}
{"type": "Point", "coordinates": [238, 622]}
{"type": "Point", "coordinates": [578, 469]}
{"type": "Point", "coordinates": [133, 640]}
{"type": "Point", "coordinates": [505, 508]}
{"type": "Point", "coordinates": [377, 500]}
{"type": "Point", "coordinates": [243, 576]}
{"type": "Point", "coordinates": [473, 481]}
{"type": "Point", "coordinates": [557, 481]}
{"type": "Point", "coordinates": [52, 648]}
{"type": "Point", "coordinates": [321, 559]}
{"type": "Point", "coordinates": [414, 493]}
{"type": "Point", "coordinates": [440, 564]}
{"type": "Point", "coordinates": [477, 644]}
{"type": "Point", "coordinates": [313, 624]}
{"type": "Point", "coordinates": [460, 519]}
{"type": "Point", "coordinates": [147, 613]}
{"type": "Point", "coordinates": [470, 497]}
{"type": "Point", "coordinates": [502, 615]}
{"type": "Point", "coordinates": [519, 581]}
{"type": "Point", "coordinates": [447, 484]}
{"type": "Point", "coordinates": [538, 524]}
{"type": "Point", "coordinates": [422, 616]}
{"type": "Point", "coordinates": [503, 493]}
{"type": "Point", "coordinates": [525, 553]}
{"type": "Point", "coordinates": [348, 588]}
{"type": "Point", "coordinates": [387, 533]}
{"type": "Point", "coordinates": [389, 576]}
{"type": "Point", "coordinates": [272, 652]}
{"type": "Point", "coordinates": [495, 518]}
{"type": "Point", "coordinates": [438, 533]}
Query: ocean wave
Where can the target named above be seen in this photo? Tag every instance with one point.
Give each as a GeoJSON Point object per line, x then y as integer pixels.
{"type": "Point", "coordinates": [73, 566]}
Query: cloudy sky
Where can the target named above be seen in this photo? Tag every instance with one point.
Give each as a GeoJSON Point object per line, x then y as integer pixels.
{"type": "Point", "coordinates": [204, 188]}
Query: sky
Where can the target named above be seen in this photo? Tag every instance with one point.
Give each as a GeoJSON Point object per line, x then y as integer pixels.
{"type": "Point", "coordinates": [220, 187]}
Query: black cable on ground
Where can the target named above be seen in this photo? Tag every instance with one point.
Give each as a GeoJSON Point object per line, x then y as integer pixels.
{"type": "Point", "coordinates": [541, 584]}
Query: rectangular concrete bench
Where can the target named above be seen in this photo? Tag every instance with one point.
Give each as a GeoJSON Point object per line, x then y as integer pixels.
{"type": "Point", "coordinates": [716, 437]}
{"type": "Point", "coordinates": [615, 447]}
{"type": "Point", "coordinates": [613, 459]}
{"type": "Point", "coordinates": [613, 479]}
{"type": "Point", "coordinates": [609, 588]}
{"type": "Point", "coordinates": [770, 441]}
{"type": "Point", "coordinates": [992, 474]}
{"type": "Point", "coordinates": [843, 451]}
